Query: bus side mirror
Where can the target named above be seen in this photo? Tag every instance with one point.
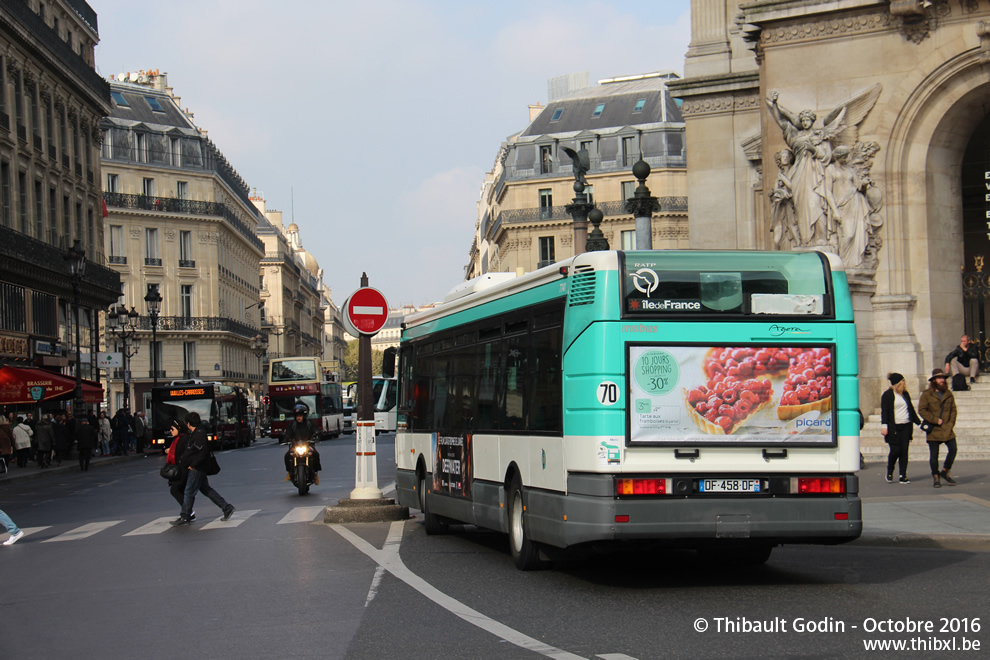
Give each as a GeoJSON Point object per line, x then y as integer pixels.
{"type": "Point", "coordinates": [388, 362]}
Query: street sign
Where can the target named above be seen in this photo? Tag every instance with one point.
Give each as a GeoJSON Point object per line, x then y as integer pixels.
{"type": "Point", "coordinates": [365, 312]}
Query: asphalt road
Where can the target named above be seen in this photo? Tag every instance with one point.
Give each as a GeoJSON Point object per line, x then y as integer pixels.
{"type": "Point", "coordinates": [276, 582]}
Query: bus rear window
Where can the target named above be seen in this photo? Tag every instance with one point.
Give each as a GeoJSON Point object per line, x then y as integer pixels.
{"type": "Point", "coordinates": [713, 283]}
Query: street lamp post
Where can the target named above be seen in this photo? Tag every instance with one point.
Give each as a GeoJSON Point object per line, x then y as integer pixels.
{"type": "Point", "coordinates": [642, 205]}
{"type": "Point", "coordinates": [123, 325]}
{"type": "Point", "coordinates": [75, 257]}
{"type": "Point", "coordinates": [154, 302]}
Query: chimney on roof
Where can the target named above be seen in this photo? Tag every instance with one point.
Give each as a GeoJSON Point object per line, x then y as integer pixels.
{"type": "Point", "coordinates": [534, 111]}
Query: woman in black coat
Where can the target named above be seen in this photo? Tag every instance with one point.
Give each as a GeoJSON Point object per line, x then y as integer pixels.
{"type": "Point", "coordinates": [180, 439]}
{"type": "Point", "coordinates": [897, 420]}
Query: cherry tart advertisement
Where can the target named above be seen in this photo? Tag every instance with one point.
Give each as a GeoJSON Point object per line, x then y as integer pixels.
{"type": "Point", "coordinates": [727, 395]}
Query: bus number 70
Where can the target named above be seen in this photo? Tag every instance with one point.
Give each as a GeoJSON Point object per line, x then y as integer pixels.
{"type": "Point", "coordinates": [608, 393]}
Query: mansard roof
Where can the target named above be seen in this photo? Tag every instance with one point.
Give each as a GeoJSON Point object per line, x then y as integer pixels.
{"type": "Point", "coordinates": [139, 108]}
{"type": "Point", "coordinates": [620, 97]}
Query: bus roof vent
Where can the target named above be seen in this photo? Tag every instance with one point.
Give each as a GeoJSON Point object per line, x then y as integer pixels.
{"type": "Point", "coordinates": [582, 290]}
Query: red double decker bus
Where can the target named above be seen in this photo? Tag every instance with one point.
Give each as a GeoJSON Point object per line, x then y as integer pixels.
{"type": "Point", "coordinates": [296, 380]}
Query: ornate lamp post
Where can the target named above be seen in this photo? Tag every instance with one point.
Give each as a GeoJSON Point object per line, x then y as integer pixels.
{"type": "Point", "coordinates": [154, 302]}
{"type": "Point", "coordinates": [123, 325]}
{"type": "Point", "coordinates": [642, 205]}
{"type": "Point", "coordinates": [75, 257]}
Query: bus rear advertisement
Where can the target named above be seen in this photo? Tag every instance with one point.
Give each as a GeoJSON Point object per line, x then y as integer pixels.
{"type": "Point", "coordinates": [704, 400]}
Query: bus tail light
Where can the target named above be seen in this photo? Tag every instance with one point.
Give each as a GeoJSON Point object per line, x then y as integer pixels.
{"type": "Point", "coordinates": [817, 485]}
{"type": "Point", "coordinates": [642, 486]}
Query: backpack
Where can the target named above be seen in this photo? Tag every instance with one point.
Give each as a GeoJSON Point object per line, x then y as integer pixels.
{"type": "Point", "coordinates": [959, 383]}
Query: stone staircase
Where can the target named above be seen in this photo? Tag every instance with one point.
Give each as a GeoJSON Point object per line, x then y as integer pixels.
{"type": "Point", "coordinates": [972, 429]}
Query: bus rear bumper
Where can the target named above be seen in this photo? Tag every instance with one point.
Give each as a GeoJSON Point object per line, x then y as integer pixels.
{"type": "Point", "coordinates": [565, 521]}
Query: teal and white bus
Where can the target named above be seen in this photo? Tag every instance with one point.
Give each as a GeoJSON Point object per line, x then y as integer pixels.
{"type": "Point", "coordinates": [706, 400]}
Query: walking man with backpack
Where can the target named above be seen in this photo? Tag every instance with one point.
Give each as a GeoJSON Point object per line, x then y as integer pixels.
{"type": "Point", "coordinates": [197, 459]}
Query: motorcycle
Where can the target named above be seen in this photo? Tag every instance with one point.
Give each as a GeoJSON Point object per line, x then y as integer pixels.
{"type": "Point", "coordinates": [303, 475]}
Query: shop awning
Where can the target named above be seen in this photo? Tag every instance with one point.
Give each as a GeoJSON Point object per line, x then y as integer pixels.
{"type": "Point", "coordinates": [20, 385]}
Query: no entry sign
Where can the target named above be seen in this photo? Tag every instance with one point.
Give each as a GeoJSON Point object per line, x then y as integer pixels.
{"type": "Point", "coordinates": [365, 312]}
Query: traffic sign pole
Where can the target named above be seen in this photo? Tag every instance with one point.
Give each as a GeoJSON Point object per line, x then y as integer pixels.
{"type": "Point", "coordinates": [365, 312]}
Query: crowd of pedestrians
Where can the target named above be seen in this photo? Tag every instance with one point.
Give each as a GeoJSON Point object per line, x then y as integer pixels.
{"type": "Point", "coordinates": [51, 439]}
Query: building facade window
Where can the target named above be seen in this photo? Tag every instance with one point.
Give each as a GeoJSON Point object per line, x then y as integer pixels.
{"type": "Point", "coordinates": [628, 189]}
{"type": "Point", "coordinates": [117, 253]}
{"type": "Point", "coordinates": [142, 147]}
{"type": "Point", "coordinates": [113, 183]}
{"type": "Point", "coordinates": [185, 250]}
{"type": "Point", "coordinates": [22, 211]}
{"type": "Point", "coordinates": [148, 187]}
{"type": "Point", "coordinates": [186, 300]}
{"type": "Point", "coordinates": [546, 202]}
{"type": "Point", "coordinates": [151, 257]}
{"type": "Point", "coordinates": [53, 216]}
{"type": "Point", "coordinates": [628, 151]}
{"type": "Point", "coordinates": [182, 190]}
{"type": "Point", "coordinates": [546, 159]}
{"type": "Point", "coordinates": [39, 210]}
{"type": "Point", "coordinates": [175, 152]}
{"type": "Point", "coordinates": [589, 193]}
{"type": "Point", "coordinates": [629, 239]}
{"type": "Point", "coordinates": [189, 359]}
{"type": "Point", "coordinates": [6, 203]}
{"type": "Point", "coordinates": [547, 254]}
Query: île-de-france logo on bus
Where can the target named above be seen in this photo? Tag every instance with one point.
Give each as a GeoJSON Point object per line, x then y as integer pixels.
{"type": "Point", "coordinates": [646, 281]}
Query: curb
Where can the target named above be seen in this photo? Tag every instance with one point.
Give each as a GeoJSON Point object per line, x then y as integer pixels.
{"type": "Point", "coordinates": [15, 475]}
{"type": "Point", "coordinates": [968, 542]}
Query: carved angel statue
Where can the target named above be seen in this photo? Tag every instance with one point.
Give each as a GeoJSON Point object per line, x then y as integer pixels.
{"type": "Point", "coordinates": [580, 162]}
{"type": "Point", "coordinates": [828, 194]}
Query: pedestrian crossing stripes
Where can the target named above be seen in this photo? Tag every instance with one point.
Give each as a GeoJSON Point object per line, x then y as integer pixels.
{"type": "Point", "coordinates": [302, 514]}
{"type": "Point", "coordinates": [84, 532]}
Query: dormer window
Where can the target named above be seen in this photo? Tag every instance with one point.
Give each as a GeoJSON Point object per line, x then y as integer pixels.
{"type": "Point", "coordinates": [640, 104]}
{"type": "Point", "coordinates": [155, 105]}
{"type": "Point", "coordinates": [119, 99]}
{"type": "Point", "coordinates": [598, 110]}
{"type": "Point", "coordinates": [556, 114]}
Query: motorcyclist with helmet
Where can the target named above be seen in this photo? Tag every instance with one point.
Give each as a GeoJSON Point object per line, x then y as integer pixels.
{"type": "Point", "coordinates": [301, 429]}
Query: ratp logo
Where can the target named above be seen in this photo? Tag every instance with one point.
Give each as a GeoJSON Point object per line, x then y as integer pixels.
{"type": "Point", "coordinates": [646, 281]}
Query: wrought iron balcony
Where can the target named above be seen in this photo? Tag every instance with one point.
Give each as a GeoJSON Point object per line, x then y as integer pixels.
{"type": "Point", "coordinates": [17, 247]}
{"type": "Point", "coordinates": [120, 261]}
{"type": "Point", "coordinates": [152, 261]}
{"type": "Point", "coordinates": [198, 324]}
{"type": "Point", "coordinates": [190, 373]}
{"type": "Point", "coordinates": [156, 374]}
{"type": "Point", "coordinates": [516, 216]}
{"type": "Point", "coordinates": [177, 205]}
{"type": "Point", "coordinates": [187, 263]}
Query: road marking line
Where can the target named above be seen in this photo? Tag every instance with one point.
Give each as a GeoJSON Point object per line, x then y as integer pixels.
{"type": "Point", "coordinates": [301, 514]}
{"type": "Point", "coordinates": [388, 558]}
{"type": "Point", "coordinates": [235, 520]}
{"type": "Point", "coordinates": [614, 656]}
{"type": "Point", "coordinates": [28, 531]}
{"type": "Point", "coordinates": [375, 581]}
{"type": "Point", "coordinates": [154, 527]}
{"type": "Point", "coordinates": [84, 532]}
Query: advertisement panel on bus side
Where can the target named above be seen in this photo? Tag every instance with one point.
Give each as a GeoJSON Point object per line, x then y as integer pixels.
{"type": "Point", "coordinates": [731, 395]}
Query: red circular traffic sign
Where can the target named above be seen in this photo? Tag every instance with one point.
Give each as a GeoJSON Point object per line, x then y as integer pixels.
{"type": "Point", "coordinates": [366, 311]}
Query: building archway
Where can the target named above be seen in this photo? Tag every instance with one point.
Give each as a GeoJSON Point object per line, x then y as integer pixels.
{"type": "Point", "coordinates": [932, 117]}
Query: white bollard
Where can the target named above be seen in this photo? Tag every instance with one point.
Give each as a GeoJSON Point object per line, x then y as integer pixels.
{"type": "Point", "coordinates": [365, 464]}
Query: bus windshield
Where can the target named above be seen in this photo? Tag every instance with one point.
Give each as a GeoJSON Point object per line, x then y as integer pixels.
{"type": "Point", "coordinates": [285, 371]}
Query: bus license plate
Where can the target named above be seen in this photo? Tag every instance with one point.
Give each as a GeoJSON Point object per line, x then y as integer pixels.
{"type": "Point", "coordinates": [729, 485]}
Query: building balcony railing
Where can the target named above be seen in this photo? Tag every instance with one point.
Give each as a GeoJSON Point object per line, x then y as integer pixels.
{"type": "Point", "coordinates": [176, 205]}
{"type": "Point", "coordinates": [198, 324]}
{"type": "Point", "coordinates": [544, 169]}
{"type": "Point", "coordinates": [156, 374]}
{"type": "Point", "coordinates": [15, 246]}
{"type": "Point", "coordinates": [120, 261]}
{"type": "Point", "coordinates": [152, 261]}
{"type": "Point", "coordinates": [81, 73]}
{"type": "Point", "coordinates": [233, 374]}
{"type": "Point", "coordinates": [190, 373]}
{"type": "Point", "coordinates": [22, 134]}
{"type": "Point", "coordinates": [187, 263]}
{"type": "Point", "coordinates": [37, 142]}
{"type": "Point", "coordinates": [516, 216]}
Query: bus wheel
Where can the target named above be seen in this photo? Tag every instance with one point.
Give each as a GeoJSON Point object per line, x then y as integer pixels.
{"type": "Point", "coordinates": [525, 551]}
{"type": "Point", "coordinates": [434, 525]}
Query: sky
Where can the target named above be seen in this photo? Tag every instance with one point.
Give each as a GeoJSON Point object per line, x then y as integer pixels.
{"type": "Point", "coordinates": [371, 123]}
